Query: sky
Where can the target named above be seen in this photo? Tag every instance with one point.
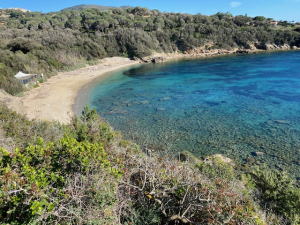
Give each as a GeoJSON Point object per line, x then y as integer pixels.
{"type": "Point", "coordinates": [277, 9]}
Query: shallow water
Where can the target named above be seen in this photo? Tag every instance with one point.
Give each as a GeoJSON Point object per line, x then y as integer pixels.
{"type": "Point", "coordinates": [233, 105]}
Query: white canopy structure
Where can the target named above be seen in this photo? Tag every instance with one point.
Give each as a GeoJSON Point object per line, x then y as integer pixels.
{"type": "Point", "coordinates": [21, 75]}
{"type": "Point", "coordinates": [25, 78]}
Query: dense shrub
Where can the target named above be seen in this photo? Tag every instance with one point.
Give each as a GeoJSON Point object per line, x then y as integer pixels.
{"type": "Point", "coordinates": [56, 182]}
{"type": "Point", "coordinates": [278, 192]}
{"type": "Point", "coordinates": [38, 183]}
{"type": "Point", "coordinates": [88, 174]}
{"type": "Point", "coordinates": [8, 82]}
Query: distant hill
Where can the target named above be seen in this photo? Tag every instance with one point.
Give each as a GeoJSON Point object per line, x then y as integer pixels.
{"type": "Point", "coordinates": [101, 7]}
{"type": "Point", "coordinates": [23, 10]}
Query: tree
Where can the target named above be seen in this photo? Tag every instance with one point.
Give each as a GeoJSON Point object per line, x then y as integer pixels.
{"type": "Point", "coordinates": [44, 25]}
{"type": "Point", "coordinates": [140, 24]}
{"type": "Point", "coordinates": [74, 21]}
{"type": "Point", "coordinates": [139, 11]}
{"type": "Point", "coordinates": [100, 24]}
{"type": "Point", "coordinates": [242, 20]}
{"type": "Point", "coordinates": [16, 14]}
{"type": "Point", "coordinates": [259, 18]}
{"type": "Point", "coordinates": [23, 44]}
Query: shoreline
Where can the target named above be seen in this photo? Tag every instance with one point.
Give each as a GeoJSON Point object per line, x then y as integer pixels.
{"type": "Point", "coordinates": [83, 93]}
{"type": "Point", "coordinates": [63, 96]}
{"type": "Point", "coordinates": [81, 99]}
{"type": "Point", "coordinates": [56, 98]}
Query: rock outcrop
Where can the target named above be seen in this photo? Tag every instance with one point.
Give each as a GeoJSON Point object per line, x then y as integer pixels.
{"type": "Point", "coordinates": [208, 50]}
{"type": "Point", "coordinates": [154, 59]}
{"type": "Point", "coordinates": [265, 46]}
{"type": "Point", "coordinates": [242, 52]}
{"type": "Point", "coordinates": [157, 59]}
{"type": "Point", "coordinates": [205, 52]}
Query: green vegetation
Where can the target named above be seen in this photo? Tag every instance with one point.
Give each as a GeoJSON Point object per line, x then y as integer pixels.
{"type": "Point", "coordinates": [46, 43]}
{"type": "Point", "coordinates": [85, 173]}
{"type": "Point", "coordinates": [278, 192]}
{"type": "Point", "coordinates": [8, 82]}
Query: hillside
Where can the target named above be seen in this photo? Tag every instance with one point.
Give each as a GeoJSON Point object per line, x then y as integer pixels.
{"type": "Point", "coordinates": [45, 43]}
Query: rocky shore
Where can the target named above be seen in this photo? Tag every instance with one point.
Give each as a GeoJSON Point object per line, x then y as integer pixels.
{"type": "Point", "coordinates": [208, 52]}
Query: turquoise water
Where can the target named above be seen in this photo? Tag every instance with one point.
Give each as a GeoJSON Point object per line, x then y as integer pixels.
{"type": "Point", "coordinates": [234, 105]}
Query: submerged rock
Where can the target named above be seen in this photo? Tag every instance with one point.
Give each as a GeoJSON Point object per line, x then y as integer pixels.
{"type": "Point", "coordinates": [258, 153]}
{"type": "Point", "coordinates": [144, 102]}
{"type": "Point", "coordinates": [164, 99]}
{"type": "Point", "coordinates": [282, 121]}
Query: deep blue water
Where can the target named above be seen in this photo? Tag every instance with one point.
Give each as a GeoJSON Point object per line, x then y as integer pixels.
{"type": "Point", "coordinates": [233, 105]}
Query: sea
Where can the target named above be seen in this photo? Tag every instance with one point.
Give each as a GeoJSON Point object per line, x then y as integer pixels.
{"type": "Point", "coordinates": [246, 107]}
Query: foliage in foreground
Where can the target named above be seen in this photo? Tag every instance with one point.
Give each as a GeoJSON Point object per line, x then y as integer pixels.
{"type": "Point", "coordinates": [90, 175]}
{"type": "Point", "coordinates": [278, 192]}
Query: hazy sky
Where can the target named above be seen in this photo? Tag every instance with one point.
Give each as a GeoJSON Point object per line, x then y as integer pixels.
{"type": "Point", "coordinates": [277, 9]}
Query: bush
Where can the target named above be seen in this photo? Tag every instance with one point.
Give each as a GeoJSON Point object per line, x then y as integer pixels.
{"type": "Point", "coordinates": [181, 194]}
{"type": "Point", "coordinates": [8, 82]}
{"type": "Point", "coordinates": [93, 62]}
{"type": "Point", "coordinates": [84, 173]}
{"type": "Point", "coordinates": [36, 85]}
{"type": "Point", "coordinates": [35, 182]}
{"type": "Point", "coordinates": [278, 192]}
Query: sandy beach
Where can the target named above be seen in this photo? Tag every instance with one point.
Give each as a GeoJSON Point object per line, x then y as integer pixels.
{"type": "Point", "coordinates": [54, 99]}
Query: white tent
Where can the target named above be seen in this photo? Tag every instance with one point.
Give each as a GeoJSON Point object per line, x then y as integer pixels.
{"type": "Point", "coordinates": [21, 75]}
